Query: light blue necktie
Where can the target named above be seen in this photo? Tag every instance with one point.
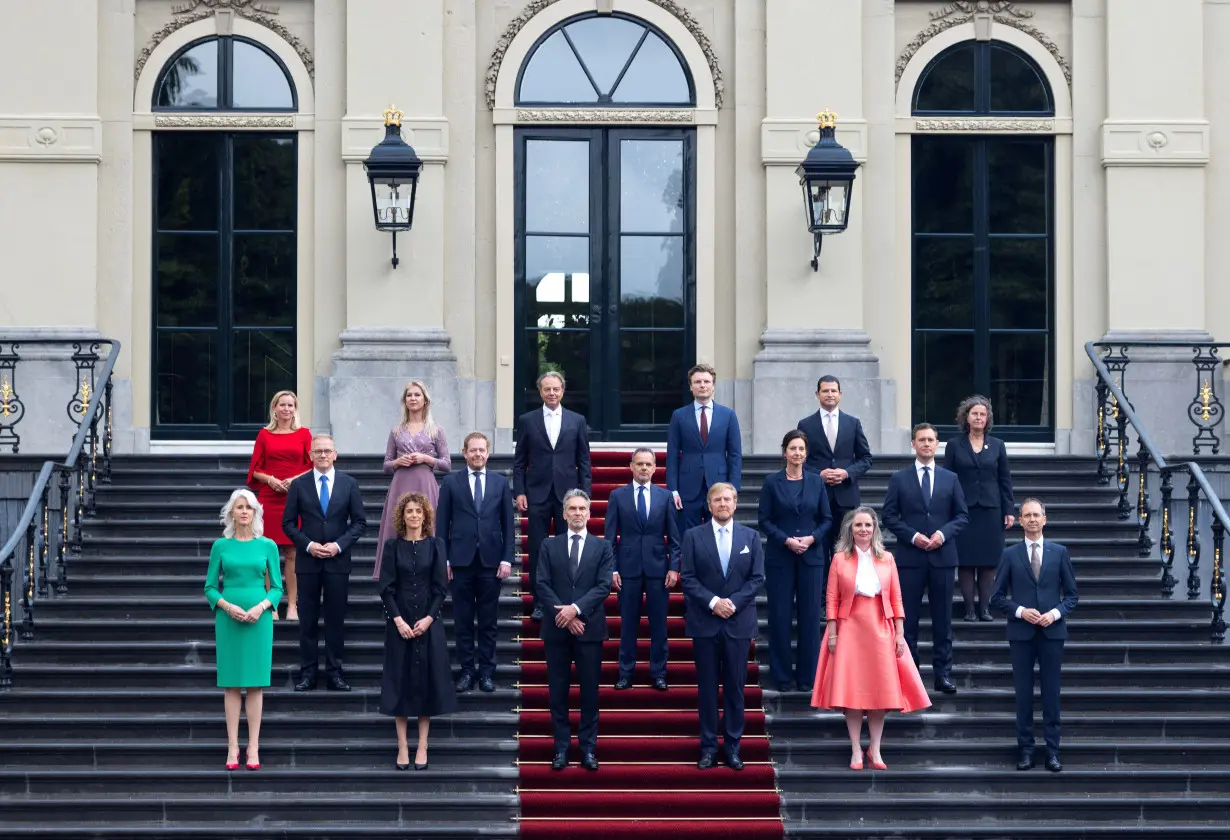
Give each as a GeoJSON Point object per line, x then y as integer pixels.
{"type": "Point", "coordinates": [324, 494]}
{"type": "Point", "coordinates": [723, 550]}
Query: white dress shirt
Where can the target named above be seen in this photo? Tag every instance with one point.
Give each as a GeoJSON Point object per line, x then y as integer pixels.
{"type": "Point", "coordinates": [918, 471]}
{"type": "Point", "coordinates": [717, 537]}
{"type": "Point", "coordinates": [1029, 544]}
{"type": "Point", "coordinates": [553, 419]}
{"type": "Point", "coordinates": [866, 580]}
{"type": "Point", "coordinates": [830, 419]}
{"type": "Point", "coordinates": [317, 475]}
{"type": "Point", "coordinates": [580, 552]}
{"type": "Point", "coordinates": [648, 485]}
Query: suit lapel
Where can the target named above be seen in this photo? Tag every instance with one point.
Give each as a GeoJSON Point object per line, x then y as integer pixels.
{"type": "Point", "coordinates": [540, 423]}
{"type": "Point", "coordinates": [334, 492]}
{"type": "Point", "coordinates": [709, 540]}
{"type": "Point", "coordinates": [794, 501]}
{"type": "Point", "coordinates": [587, 548]}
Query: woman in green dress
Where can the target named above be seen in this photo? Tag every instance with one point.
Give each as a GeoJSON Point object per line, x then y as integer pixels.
{"type": "Point", "coordinates": [243, 626]}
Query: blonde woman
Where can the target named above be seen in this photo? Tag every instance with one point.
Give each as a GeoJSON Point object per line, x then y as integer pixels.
{"type": "Point", "coordinates": [416, 451]}
{"type": "Point", "coordinates": [281, 454]}
{"type": "Point", "coordinates": [243, 622]}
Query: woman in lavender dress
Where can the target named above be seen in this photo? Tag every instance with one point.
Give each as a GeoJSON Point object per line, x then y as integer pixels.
{"type": "Point", "coordinates": [416, 451]}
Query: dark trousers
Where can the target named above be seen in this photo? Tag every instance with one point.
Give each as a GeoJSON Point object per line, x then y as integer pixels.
{"type": "Point", "coordinates": [476, 595]}
{"type": "Point", "coordinates": [938, 584]}
{"type": "Point", "coordinates": [1048, 653]}
{"type": "Point", "coordinates": [561, 653]}
{"type": "Point", "coordinates": [790, 586]}
{"type": "Point", "coordinates": [720, 660]}
{"type": "Point", "coordinates": [538, 528]}
{"type": "Point", "coordinates": [334, 587]}
{"type": "Point", "coordinates": [656, 601]}
{"type": "Point", "coordinates": [695, 512]}
{"type": "Point", "coordinates": [830, 540]}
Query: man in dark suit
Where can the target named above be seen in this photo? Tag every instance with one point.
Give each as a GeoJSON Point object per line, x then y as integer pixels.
{"type": "Point", "coordinates": [551, 458]}
{"type": "Point", "coordinates": [324, 517]}
{"type": "Point", "coordinates": [574, 579]}
{"type": "Point", "coordinates": [475, 519]}
{"type": "Point", "coordinates": [925, 509]}
{"type": "Point", "coordinates": [837, 449]}
{"type": "Point", "coordinates": [703, 447]}
{"type": "Point", "coordinates": [1036, 588]}
{"type": "Point", "coordinates": [723, 570]}
{"type": "Point", "coordinates": [640, 524]}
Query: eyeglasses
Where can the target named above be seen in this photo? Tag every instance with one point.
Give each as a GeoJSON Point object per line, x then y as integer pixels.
{"type": "Point", "coordinates": [322, 451]}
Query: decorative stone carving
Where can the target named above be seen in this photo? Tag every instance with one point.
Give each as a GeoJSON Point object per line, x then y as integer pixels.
{"type": "Point", "coordinates": [604, 115]}
{"type": "Point", "coordinates": [221, 121]}
{"type": "Point", "coordinates": [963, 11]}
{"type": "Point", "coordinates": [535, 6]}
{"type": "Point", "coordinates": [257, 12]}
{"type": "Point", "coordinates": [46, 135]}
{"type": "Point", "coordinates": [981, 124]}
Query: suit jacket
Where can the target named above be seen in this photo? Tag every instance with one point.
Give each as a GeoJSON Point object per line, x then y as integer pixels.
{"type": "Point", "coordinates": [543, 473]}
{"type": "Point", "coordinates": [839, 597]}
{"type": "Point", "coordinates": [784, 514]}
{"type": "Point", "coordinates": [692, 466]}
{"type": "Point", "coordinates": [852, 454]}
{"type": "Point", "coordinates": [587, 587]}
{"type": "Point", "coordinates": [304, 523]}
{"type": "Point", "coordinates": [486, 535]}
{"type": "Point", "coordinates": [1015, 587]}
{"type": "Point", "coordinates": [985, 477]}
{"type": "Point", "coordinates": [905, 515]}
{"type": "Point", "coordinates": [702, 580]}
{"type": "Point", "coordinates": [650, 549]}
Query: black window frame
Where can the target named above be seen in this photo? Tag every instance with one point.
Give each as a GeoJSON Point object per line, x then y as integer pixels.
{"type": "Point", "coordinates": [982, 82]}
{"type": "Point", "coordinates": [225, 73]}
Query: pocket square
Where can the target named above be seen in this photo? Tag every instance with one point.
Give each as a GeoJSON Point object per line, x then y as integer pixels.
{"type": "Point", "coordinates": [746, 550]}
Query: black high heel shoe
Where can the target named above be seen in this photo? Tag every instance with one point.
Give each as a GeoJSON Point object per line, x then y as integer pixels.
{"type": "Point", "coordinates": [402, 766]}
{"type": "Point", "coordinates": [422, 766]}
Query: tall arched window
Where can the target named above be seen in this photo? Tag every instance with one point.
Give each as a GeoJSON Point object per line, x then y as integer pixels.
{"type": "Point", "coordinates": [224, 245]}
{"type": "Point", "coordinates": [605, 229]}
{"type": "Point", "coordinates": [983, 244]}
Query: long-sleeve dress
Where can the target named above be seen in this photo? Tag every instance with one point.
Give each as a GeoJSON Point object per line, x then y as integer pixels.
{"type": "Point", "coordinates": [417, 679]}
{"type": "Point", "coordinates": [237, 572]}
{"type": "Point", "coordinates": [281, 456]}
{"type": "Point", "coordinates": [421, 478]}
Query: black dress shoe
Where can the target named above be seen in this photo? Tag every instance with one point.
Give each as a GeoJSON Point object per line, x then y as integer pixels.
{"type": "Point", "coordinates": [623, 683]}
{"type": "Point", "coordinates": [465, 682]}
{"type": "Point", "coordinates": [945, 686]}
{"type": "Point", "coordinates": [560, 761]}
{"type": "Point", "coordinates": [659, 683]}
{"type": "Point", "coordinates": [306, 684]}
{"type": "Point", "coordinates": [707, 761]}
{"type": "Point", "coordinates": [733, 761]}
{"type": "Point", "coordinates": [422, 766]}
{"type": "Point", "coordinates": [337, 684]}
{"type": "Point", "coordinates": [589, 761]}
{"type": "Point", "coordinates": [1025, 761]}
{"type": "Point", "coordinates": [985, 615]}
{"type": "Point", "coordinates": [486, 684]}
{"type": "Point", "coordinates": [785, 686]}
{"type": "Point", "coordinates": [970, 615]}
{"type": "Point", "coordinates": [536, 613]}
{"type": "Point", "coordinates": [1053, 764]}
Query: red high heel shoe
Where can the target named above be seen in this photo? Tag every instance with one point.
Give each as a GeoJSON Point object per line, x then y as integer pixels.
{"type": "Point", "coordinates": [878, 765]}
{"type": "Point", "coordinates": [857, 765]}
{"type": "Point", "coordinates": [253, 765]}
{"type": "Point", "coordinates": [233, 765]}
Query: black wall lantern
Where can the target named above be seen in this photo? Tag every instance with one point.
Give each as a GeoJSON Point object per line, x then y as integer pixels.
{"type": "Point", "coordinates": [393, 170]}
{"type": "Point", "coordinates": [827, 178]}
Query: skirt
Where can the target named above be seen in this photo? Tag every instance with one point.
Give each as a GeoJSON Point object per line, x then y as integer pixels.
{"type": "Point", "coordinates": [865, 671]}
{"type": "Point", "coordinates": [981, 542]}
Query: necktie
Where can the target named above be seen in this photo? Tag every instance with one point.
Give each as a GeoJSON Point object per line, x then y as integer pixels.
{"type": "Point", "coordinates": [478, 491]}
{"type": "Point", "coordinates": [1035, 560]}
{"type": "Point", "coordinates": [324, 494]}
{"type": "Point", "coordinates": [575, 555]}
{"type": "Point", "coordinates": [926, 487]}
{"type": "Point", "coordinates": [642, 512]}
{"type": "Point", "coordinates": [704, 426]}
{"type": "Point", "coordinates": [830, 431]}
{"type": "Point", "coordinates": [723, 550]}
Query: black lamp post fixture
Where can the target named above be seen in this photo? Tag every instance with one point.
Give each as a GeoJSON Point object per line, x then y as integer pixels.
{"type": "Point", "coordinates": [393, 170]}
{"type": "Point", "coordinates": [827, 178]}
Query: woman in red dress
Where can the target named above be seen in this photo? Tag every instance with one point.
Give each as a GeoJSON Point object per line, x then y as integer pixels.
{"type": "Point", "coordinates": [278, 458]}
{"type": "Point", "coordinates": [869, 671]}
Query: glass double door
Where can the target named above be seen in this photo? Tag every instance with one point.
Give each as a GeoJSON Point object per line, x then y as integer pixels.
{"type": "Point", "coordinates": [605, 273]}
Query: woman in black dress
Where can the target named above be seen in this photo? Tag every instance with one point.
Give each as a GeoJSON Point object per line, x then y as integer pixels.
{"type": "Point", "coordinates": [981, 464]}
{"type": "Point", "coordinates": [417, 680]}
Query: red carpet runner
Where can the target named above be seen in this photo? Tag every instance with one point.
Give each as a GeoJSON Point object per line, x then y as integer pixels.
{"type": "Point", "coordinates": [648, 786]}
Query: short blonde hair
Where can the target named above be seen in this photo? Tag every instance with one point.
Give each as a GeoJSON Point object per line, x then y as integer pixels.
{"type": "Point", "coordinates": [719, 487]}
{"type": "Point", "coordinates": [295, 425]}
{"type": "Point", "coordinates": [228, 514]}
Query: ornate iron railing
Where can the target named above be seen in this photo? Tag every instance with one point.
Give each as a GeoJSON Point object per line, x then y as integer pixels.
{"type": "Point", "coordinates": [1114, 415]}
{"type": "Point", "coordinates": [36, 554]}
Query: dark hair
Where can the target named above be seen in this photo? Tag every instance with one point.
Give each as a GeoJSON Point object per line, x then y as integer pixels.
{"type": "Point", "coordinates": [793, 435]}
{"type": "Point", "coordinates": [921, 427]}
{"type": "Point", "coordinates": [1037, 502]}
{"type": "Point", "coordinates": [968, 403]}
{"type": "Point", "coordinates": [399, 514]}
{"type": "Point", "coordinates": [828, 377]}
{"type": "Point", "coordinates": [702, 368]}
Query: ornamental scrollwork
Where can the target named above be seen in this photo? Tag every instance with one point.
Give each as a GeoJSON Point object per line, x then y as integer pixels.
{"type": "Point", "coordinates": [977, 124]}
{"type": "Point", "coordinates": [604, 115]}
{"type": "Point", "coordinates": [221, 121]}
{"type": "Point", "coordinates": [535, 6]}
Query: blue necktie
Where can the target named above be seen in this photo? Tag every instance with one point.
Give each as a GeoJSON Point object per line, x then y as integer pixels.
{"type": "Point", "coordinates": [926, 487]}
{"type": "Point", "coordinates": [641, 512]}
{"type": "Point", "coordinates": [324, 494]}
{"type": "Point", "coordinates": [478, 491]}
{"type": "Point", "coordinates": [723, 551]}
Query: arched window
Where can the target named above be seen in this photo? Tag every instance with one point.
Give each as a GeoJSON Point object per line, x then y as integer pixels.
{"type": "Point", "coordinates": [604, 60]}
{"type": "Point", "coordinates": [225, 245]}
{"type": "Point", "coordinates": [983, 245]}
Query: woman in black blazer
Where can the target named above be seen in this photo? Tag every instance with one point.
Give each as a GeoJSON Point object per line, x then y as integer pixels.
{"type": "Point", "coordinates": [795, 519]}
{"type": "Point", "coordinates": [981, 464]}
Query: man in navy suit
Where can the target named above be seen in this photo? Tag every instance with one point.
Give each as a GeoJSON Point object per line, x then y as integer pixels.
{"type": "Point", "coordinates": [573, 582]}
{"type": "Point", "coordinates": [702, 448]}
{"type": "Point", "coordinates": [551, 458]}
{"type": "Point", "coordinates": [1036, 588]}
{"type": "Point", "coordinates": [323, 517]}
{"type": "Point", "coordinates": [640, 524]}
{"type": "Point", "coordinates": [723, 570]}
{"type": "Point", "coordinates": [925, 509]}
{"type": "Point", "coordinates": [837, 449]}
{"type": "Point", "coordinates": [474, 517]}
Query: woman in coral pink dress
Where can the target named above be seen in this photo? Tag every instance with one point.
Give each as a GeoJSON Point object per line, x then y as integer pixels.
{"type": "Point", "coordinates": [865, 667]}
{"type": "Point", "coordinates": [279, 456]}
